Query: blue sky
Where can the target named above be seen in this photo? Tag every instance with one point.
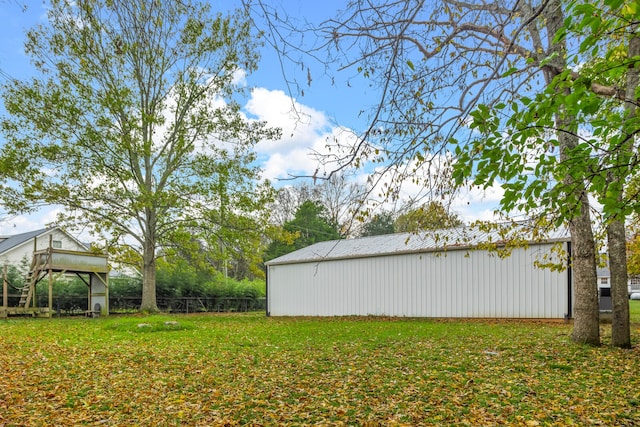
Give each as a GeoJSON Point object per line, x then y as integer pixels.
{"type": "Point", "coordinates": [330, 110]}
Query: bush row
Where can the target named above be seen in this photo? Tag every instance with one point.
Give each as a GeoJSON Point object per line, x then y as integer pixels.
{"type": "Point", "coordinates": [167, 287]}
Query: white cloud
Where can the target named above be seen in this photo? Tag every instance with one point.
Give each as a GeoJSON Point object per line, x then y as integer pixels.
{"type": "Point", "coordinates": [17, 224]}
{"type": "Point", "coordinates": [240, 77]}
{"type": "Point", "coordinates": [23, 223]}
{"type": "Point", "coordinates": [306, 133]}
{"type": "Point", "coordinates": [477, 203]}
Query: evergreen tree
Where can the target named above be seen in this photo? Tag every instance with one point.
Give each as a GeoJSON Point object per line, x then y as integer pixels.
{"type": "Point", "coordinates": [310, 225]}
{"type": "Point", "coordinates": [379, 224]}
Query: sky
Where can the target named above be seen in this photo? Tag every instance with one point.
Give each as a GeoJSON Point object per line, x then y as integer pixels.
{"type": "Point", "coordinates": [326, 110]}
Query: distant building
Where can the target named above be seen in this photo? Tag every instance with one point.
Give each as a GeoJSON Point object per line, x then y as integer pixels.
{"type": "Point", "coordinates": [604, 282]}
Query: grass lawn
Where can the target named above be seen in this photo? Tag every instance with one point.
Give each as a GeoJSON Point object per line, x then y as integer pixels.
{"type": "Point", "coordinates": [208, 370]}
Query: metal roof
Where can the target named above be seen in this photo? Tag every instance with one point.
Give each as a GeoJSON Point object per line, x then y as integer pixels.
{"type": "Point", "coordinates": [430, 241]}
{"type": "Point", "coordinates": [11, 242]}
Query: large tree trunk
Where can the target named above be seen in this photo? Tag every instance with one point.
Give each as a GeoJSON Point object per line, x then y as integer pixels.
{"type": "Point", "coordinates": [586, 326]}
{"type": "Point", "coordinates": [620, 329]}
{"type": "Point", "coordinates": [616, 235]}
{"type": "Point", "coordinates": [149, 303]}
{"type": "Point", "coordinates": [586, 312]}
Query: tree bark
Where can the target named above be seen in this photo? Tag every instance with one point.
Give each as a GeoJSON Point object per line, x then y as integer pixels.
{"type": "Point", "coordinates": [586, 325]}
{"type": "Point", "coordinates": [149, 302]}
{"type": "Point", "coordinates": [620, 329]}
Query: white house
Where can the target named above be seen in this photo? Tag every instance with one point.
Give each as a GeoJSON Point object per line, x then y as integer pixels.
{"type": "Point", "coordinates": [443, 275]}
{"type": "Point", "coordinates": [604, 282]}
{"type": "Point", "coordinates": [52, 251]}
{"type": "Point", "coordinates": [17, 248]}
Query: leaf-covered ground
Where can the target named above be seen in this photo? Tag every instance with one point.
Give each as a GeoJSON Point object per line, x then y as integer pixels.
{"type": "Point", "coordinates": [210, 370]}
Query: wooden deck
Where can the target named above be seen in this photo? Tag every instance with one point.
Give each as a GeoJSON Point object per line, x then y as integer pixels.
{"type": "Point", "coordinates": [25, 311]}
{"type": "Point", "coordinates": [60, 261]}
{"type": "Point", "coordinates": [49, 261]}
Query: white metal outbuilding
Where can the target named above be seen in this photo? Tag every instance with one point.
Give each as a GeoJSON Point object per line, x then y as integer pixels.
{"type": "Point", "coordinates": [442, 275]}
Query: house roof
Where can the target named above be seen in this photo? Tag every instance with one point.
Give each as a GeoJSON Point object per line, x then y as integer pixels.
{"type": "Point", "coordinates": [10, 242]}
{"type": "Point", "coordinates": [459, 238]}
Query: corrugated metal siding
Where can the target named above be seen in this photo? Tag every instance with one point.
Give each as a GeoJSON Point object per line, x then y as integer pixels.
{"type": "Point", "coordinates": [453, 284]}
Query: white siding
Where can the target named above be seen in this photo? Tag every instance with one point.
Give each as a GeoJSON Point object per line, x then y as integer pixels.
{"type": "Point", "coordinates": [459, 283]}
{"type": "Point", "coordinates": [99, 293]}
{"type": "Point", "coordinates": [24, 252]}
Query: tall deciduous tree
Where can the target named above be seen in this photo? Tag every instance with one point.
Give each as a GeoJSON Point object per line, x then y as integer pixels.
{"type": "Point", "coordinates": [131, 122]}
{"type": "Point", "coordinates": [598, 98]}
{"type": "Point", "coordinates": [340, 197]}
{"type": "Point", "coordinates": [532, 169]}
{"type": "Point", "coordinates": [611, 47]}
{"type": "Point", "coordinates": [436, 62]}
{"type": "Point", "coordinates": [619, 170]}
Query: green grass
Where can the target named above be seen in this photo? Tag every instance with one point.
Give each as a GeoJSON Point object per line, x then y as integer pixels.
{"type": "Point", "coordinates": [250, 370]}
{"type": "Point", "coordinates": [634, 311]}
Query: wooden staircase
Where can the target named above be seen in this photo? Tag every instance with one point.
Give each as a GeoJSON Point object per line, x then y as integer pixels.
{"type": "Point", "coordinates": [38, 266]}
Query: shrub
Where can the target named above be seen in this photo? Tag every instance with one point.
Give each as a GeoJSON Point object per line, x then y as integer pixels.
{"type": "Point", "coordinates": [125, 287]}
{"type": "Point", "coordinates": [222, 287]}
